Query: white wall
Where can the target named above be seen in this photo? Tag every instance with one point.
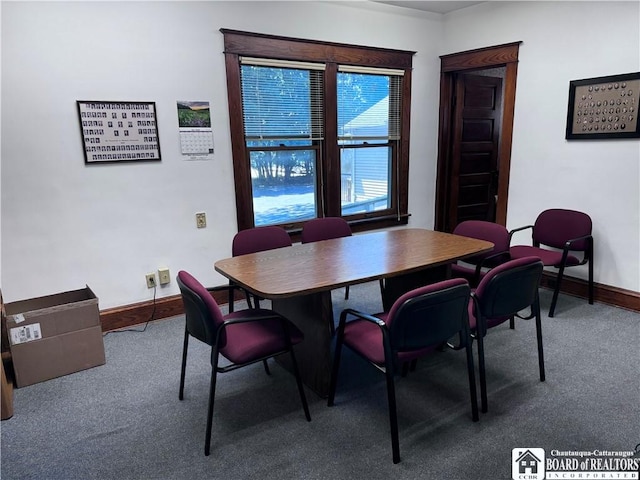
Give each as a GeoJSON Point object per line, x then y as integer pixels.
{"type": "Point", "coordinates": [65, 224]}
{"type": "Point", "coordinates": [564, 41]}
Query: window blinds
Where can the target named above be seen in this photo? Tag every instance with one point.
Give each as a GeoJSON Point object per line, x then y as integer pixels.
{"type": "Point", "coordinates": [282, 100]}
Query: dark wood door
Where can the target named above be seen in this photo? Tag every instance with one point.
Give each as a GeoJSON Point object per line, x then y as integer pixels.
{"type": "Point", "coordinates": [477, 119]}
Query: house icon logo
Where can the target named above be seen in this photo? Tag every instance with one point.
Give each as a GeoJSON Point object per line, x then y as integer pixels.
{"type": "Point", "coordinates": [527, 464]}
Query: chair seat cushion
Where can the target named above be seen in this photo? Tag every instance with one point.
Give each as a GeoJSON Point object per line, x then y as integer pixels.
{"type": "Point", "coordinates": [250, 341]}
{"type": "Point", "coordinates": [365, 338]}
{"type": "Point", "coordinates": [550, 258]}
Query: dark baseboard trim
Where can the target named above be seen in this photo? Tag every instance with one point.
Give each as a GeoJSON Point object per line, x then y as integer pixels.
{"type": "Point", "coordinates": [135, 314]}
{"type": "Point", "coordinates": [617, 297]}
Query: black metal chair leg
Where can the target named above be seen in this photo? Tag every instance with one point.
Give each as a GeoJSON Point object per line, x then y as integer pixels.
{"type": "Point", "coordinates": [335, 368]}
{"type": "Point", "coordinates": [232, 297]}
{"type": "Point", "coordinates": [303, 397]}
{"type": "Point", "coordinates": [346, 293]}
{"type": "Point", "coordinates": [212, 393]}
{"type": "Point", "coordinates": [591, 279]}
{"type": "Point", "coordinates": [472, 381]}
{"type": "Point", "coordinates": [556, 292]}
{"type": "Point", "coordinates": [266, 366]}
{"type": "Point", "coordinates": [183, 369]}
{"type": "Point", "coordinates": [393, 415]}
{"type": "Point", "coordinates": [411, 366]}
{"type": "Point", "coordinates": [539, 339]}
{"type": "Point", "coordinates": [481, 369]}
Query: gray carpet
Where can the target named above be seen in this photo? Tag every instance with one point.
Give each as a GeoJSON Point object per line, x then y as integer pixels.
{"type": "Point", "coordinates": [123, 420]}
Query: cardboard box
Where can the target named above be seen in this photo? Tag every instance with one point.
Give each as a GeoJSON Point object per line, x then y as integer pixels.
{"type": "Point", "coordinates": [6, 384]}
{"type": "Point", "coordinates": [54, 335]}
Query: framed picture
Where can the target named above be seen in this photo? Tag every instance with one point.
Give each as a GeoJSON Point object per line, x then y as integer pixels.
{"type": "Point", "coordinates": [118, 131]}
{"type": "Point", "coordinates": [604, 107]}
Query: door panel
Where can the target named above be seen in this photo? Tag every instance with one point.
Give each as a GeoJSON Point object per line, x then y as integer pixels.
{"type": "Point", "coordinates": [476, 139]}
{"type": "Point", "coordinates": [477, 130]}
{"type": "Point", "coordinates": [475, 162]}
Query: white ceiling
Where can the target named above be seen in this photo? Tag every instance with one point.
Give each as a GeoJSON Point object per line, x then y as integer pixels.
{"type": "Point", "coordinates": [435, 7]}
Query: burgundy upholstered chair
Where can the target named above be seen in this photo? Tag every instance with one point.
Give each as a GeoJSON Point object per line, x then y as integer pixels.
{"type": "Point", "coordinates": [325, 229]}
{"type": "Point", "coordinates": [259, 239]}
{"type": "Point", "coordinates": [418, 323]}
{"type": "Point", "coordinates": [243, 338]}
{"type": "Point", "coordinates": [504, 291]}
{"type": "Point", "coordinates": [253, 240]}
{"type": "Point", "coordinates": [556, 235]}
{"type": "Point", "coordinates": [474, 268]}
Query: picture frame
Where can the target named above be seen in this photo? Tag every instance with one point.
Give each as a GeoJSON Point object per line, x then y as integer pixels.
{"type": "Point", "coordinates": [604, 108]}
{"type": "Point", "coordinates": [121, 131]}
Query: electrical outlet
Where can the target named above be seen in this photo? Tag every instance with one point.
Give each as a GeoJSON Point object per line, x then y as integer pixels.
{"type": "Point", "coordinates": [201, 220]}
{"type": "Point", "coordinates": [163, 275]}
{"type": "Point", "coordinates": [151, 280]}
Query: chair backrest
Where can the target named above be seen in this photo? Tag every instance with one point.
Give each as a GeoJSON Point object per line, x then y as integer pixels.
{"type": "Point", "coordinates": [555, 226]}
{"type": "Point", "coordinates": [259, 239]}
{"type": "Point", "coordinates": [429, 315]}
{"type": "Point", "coordinates": [509, 288]}
{"type": "Point", "coordinates": [203, 315]}
{"type": "Point", "coordinates": [324, 229]}
{"type": "Point", "coordinates": [483, 230]}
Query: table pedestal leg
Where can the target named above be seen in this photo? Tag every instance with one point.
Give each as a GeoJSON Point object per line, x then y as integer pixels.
{"type": "Point", "coordinates": [313, 314]}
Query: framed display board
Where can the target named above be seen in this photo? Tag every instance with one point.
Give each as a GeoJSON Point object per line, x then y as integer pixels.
{"type": "Point", "coordinates": [604, 107]}
{"type": "Point", "coordinates": [118, 131]}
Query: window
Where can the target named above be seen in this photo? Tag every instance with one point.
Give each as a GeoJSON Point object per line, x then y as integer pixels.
{"type": "Point", "coordinates": [317, 129]}
{"type": "Point", "coordinates": [282, 106]}
{"type": "Point", "coordinates": [368, 135]}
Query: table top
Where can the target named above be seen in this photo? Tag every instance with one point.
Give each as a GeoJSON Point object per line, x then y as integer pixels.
{"type": "Point", "coordinates": [330, 264]}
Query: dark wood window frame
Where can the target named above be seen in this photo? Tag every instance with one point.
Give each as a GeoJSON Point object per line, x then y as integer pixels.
{"type": "Point", "coordinates": [238, 43]}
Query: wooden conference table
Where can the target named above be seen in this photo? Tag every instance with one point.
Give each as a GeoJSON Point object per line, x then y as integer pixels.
{"type": "Point", "coordinates": [299, 279]}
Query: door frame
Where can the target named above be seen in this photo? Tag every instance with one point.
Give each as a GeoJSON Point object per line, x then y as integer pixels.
{"type": "Point", "coordinates": [505, 55]}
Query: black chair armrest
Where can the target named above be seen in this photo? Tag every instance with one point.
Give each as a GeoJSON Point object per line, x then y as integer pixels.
{"type": "Point", "coordinates": [587, 252]}
{"type": "Point", "coordinates": [573, 240]}
{"type": "Point", "coordinates": [481, 324]}
{"type": "Point", "coordinates": [519, 229]}
{"type": "Point", "coordinates": [253, 318]}
{"type": "Point", "coordinates": [360, 315]}
{"type": "Point", "coordinates": [369, 318]}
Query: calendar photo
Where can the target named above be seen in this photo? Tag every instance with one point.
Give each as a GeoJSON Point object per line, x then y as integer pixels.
{"type": "Point", "coordinates": [118, 131]}
{"type": "Point", "coordinates": [194, 122]}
